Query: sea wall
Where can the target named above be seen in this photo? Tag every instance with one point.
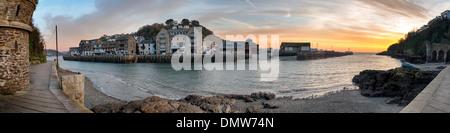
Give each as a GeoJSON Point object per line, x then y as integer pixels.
{"type": "Point", "coordinates": [320, 55]}
{"type": "Point", "coordinates": [73, 86]}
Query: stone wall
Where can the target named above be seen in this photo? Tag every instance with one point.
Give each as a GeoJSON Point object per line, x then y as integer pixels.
{"type": "Point", "coordinates": [73, 86]}
{"type": "Point", "coordinates": [14, 60]}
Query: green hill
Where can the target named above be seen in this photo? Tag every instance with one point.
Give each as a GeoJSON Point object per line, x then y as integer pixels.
{"type": "Point", "coordinates": [413, 42]}
{"type": "Point", "coordinates": [150, 31]}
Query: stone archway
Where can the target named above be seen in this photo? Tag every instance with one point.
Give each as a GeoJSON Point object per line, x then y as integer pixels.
{"type": "Point", "coordinates": [440, 56]}
{"type": "Point", "coordinates": [434, 56]}
{"type": "Point", "coordinates": [447, 59]}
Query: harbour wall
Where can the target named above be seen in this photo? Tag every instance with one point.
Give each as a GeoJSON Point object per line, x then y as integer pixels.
{"type": "Point", "coordinates": [135, 58]}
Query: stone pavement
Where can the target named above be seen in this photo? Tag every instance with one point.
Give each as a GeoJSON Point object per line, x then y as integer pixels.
{"type": "Point", "coordinates": [43, 95]}
{"type": "Point", "coordinates": [435, 98]}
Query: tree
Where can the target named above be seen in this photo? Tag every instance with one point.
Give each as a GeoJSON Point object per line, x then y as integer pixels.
{"type": "Point", "coordinates": [169, 22]}
{"type": "Point", "coordinates": [195, 23]}
{"type": "Point", "coordinates": [185, 22]}
{"type": "Point", "coordinates": [150, 31]}
{"type": "Point", "coordinates": [36, 44]}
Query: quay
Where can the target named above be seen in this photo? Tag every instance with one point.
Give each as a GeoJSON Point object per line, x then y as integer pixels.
{"type": "Point", "coordinates": [435, 98]}
{"type": "Point", "coordinates": [133, 58]}
{"type": "Point", "coordinates": [43, 96]}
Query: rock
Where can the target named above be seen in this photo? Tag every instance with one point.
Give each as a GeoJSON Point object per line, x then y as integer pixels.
{"type": "Point", "coordinates": [395, 100]}
{"type": "Point", "coordinates": [162, 106]}
{"type": "Point", "coordinates": [441, 67]}
{"type": "Point", "coordinates": [216, 104]}
{"type": "Point", "coordinates": [152, 104]}
{"type": "Point", "coordinates": [366, 92]}
{"type": "Point", "coordinates": [269, 106]}
{"type": "Point", "coordinates": [252, 109]}
{"type": "Point", "coordinates": [263, 95]}
{"type": "Point", "coordinates": [132, 106]}
{"type": "Point", "coordinates": [187, 108]}
{"type": "Point", "coordinates": [108, 108]}
{"type": "Point", "coordinates": [246, 98]}
{"type": "Point", "coordinates": [399, 82]}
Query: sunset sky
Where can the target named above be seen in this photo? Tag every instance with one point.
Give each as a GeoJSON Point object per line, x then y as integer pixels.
{"type": "Point", "coordinates": [362, 25]}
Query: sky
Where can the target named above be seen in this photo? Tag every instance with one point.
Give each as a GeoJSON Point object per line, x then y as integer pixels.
{"type": "Point", "coordinates": [358, 25]}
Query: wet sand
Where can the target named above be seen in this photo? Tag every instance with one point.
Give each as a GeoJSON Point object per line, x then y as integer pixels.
{"type": "Point", "coordinates": [93, 96]}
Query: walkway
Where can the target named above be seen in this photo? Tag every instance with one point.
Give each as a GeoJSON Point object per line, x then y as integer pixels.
{"type": "Point", "coordinates": [435, 98]}
{"type": "Point", "coordinates": [43, 95]}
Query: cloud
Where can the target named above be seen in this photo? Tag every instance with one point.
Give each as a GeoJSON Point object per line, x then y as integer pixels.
{"type": "Point", "coordinates": [250, 3]}
{"type": "Point", "coordinates": [409, 8]}
{"type": "Point", "coordinates": [110, 17]}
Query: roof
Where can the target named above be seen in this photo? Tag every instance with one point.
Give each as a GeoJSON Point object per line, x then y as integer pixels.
{"type": "Point", "coordinates": [295, 44]}
{"type": "Point", "coordinates": [126, 37]}
{"type": "Point", "coordinates": [146, 42]}
{"type": "Point", "coordinates": [177, 30]}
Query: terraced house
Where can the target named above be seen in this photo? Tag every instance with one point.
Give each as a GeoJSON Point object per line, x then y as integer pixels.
{"type": "Point", "coordinates": [126, 45]}
{"type": "Point", "coordinates": [164, 39]}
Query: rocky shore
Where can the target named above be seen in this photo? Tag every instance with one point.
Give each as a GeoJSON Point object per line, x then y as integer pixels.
{"type": "Point", "coordinates": [401, 85]}
{"type": "Point", "coordinates": [345, 101]}
{"type": "Point", "coordinates": [190, 104]}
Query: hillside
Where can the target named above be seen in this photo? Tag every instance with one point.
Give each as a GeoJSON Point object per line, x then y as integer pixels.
{"type": "Point", "coordinates": [150, 31]}
{"type": "Point", "coordinates": [413, 42]}
{"type": "Point", "coordinates": [51, 52]}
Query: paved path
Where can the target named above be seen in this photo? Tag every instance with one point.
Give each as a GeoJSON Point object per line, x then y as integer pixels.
{"type": "Point", "coordinates": [43, 95]}
{"type": "Point", "coordinates": [435, 98]}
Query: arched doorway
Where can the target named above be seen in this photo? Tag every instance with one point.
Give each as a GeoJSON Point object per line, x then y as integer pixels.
{"type": "Point", "coordinates": [440, 56]}
{"type": "Point", "coordinates": [448, 56]}
{"type": "Point", "coordinates": [433, 56]}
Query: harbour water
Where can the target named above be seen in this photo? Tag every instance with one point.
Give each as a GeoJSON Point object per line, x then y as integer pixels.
{"type": "Point", "coordinates": [298, 79]}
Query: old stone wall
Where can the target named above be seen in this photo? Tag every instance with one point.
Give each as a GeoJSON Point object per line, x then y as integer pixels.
{"type": "Point", "coordinates": [14, 60]}
{"type": "Point", "coordinates": [73, 86]}
{"type": "Point", "coordinates": [15, 17]}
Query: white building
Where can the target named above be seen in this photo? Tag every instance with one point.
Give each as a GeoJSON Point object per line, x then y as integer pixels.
{"type": "Point", "coordinates": [446, 14]}
{"type": "Point", "coordinates": [147, 47]}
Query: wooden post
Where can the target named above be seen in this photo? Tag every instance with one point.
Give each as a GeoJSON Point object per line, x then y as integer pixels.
{"type": "Point", "coordinates": [57, 53]}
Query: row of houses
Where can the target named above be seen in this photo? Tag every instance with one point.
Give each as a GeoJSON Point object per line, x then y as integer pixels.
{"type": "Point", "coordinates": [121, 44]}
{"type": "Point", "coordinates": [444, 16]}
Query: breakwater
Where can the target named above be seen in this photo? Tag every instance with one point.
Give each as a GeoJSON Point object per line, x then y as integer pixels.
{"type": "Point", "coordinates": [320, 55]}
{"type": "Point", "coordinates": [134, 58]}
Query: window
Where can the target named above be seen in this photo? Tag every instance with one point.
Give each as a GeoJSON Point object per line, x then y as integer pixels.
{"type": "Point", "coordinates": [18, 11]}
{"type": "Point", "coordinates": [16, 47]}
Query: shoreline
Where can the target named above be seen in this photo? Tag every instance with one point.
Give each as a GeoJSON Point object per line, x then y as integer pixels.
{"type": "Point", "coordinates": [93, 96]}
{"type": "Point", "coordinates": [343, 101]}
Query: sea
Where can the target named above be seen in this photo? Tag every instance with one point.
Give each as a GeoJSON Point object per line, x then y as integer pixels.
{"type": "Point", "coordinates": [296, 79]}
